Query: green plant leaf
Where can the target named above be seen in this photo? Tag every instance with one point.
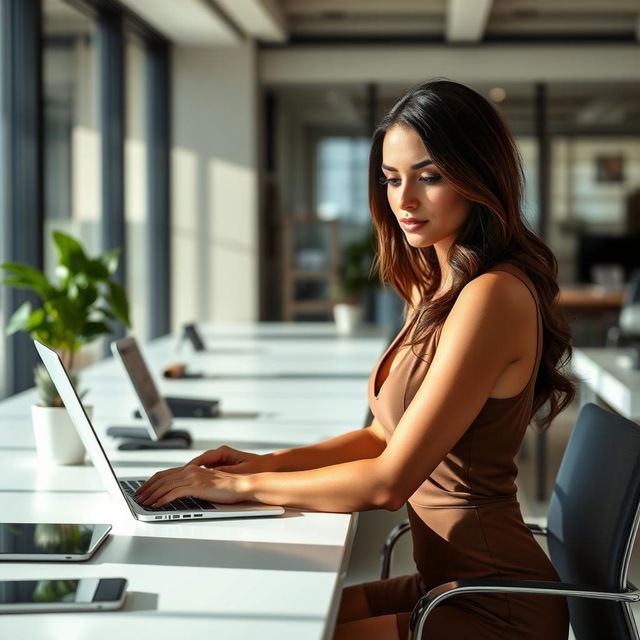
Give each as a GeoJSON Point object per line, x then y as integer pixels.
{"type": "Point", "coordinates": [110, 260]}
{"type": "Point", "coordinates": [93, 329]}
{"type": "Point", "coordinates": [19, 319]}
{"type": "Point", "coordinates": [70, 316]}
{"type": "Point", "coordinates": [81, 307]}
{"type": "Point", "coordinates": [117, 300]}
{"type": "Point", "coordinates": [45, 335]}
{"type": "Point", "coordinates": [70, 252]}
{"type": "Point", "coordinates": [27, 277]}
{"type": "Point", "coordinates": [96, 270]}
{"type": "Point", "coordinates": [35, 320]}
{"type": "Point", "coordinates": [83, 292]}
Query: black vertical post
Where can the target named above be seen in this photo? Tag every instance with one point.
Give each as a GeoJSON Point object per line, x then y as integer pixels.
{"type": "Point", "coordinates": [269, 272]}
{"type": "Point", "coordinates": [544, 183]}
{"type": "Point", "coordinates": [22, 110]}
{"type": "Point", "coordinates": [544, 158]}
{"type": "Point", "coordinates": [372, 107]}
{"type": "Point", "coordinates": [158, 137]}
{"type": "Point", "coordinates": [111, 105]}
{"type": "Point", "coordinates": [372, 120]}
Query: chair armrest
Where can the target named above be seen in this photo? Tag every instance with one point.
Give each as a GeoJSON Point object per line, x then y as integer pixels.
{"type": "Point", "coordinates": [385, 555]}
{"type": "Point", "coordinates": [536, 529]}
{"type": "Point", "coordinates": [436, 595]}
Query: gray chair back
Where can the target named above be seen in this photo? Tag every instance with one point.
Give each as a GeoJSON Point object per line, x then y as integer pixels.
{"type": "Point", "coordinates": [593, 518]}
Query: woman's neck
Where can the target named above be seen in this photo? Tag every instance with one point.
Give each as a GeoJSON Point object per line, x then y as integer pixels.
{"type": "Point", "coordinates": [446, 278]}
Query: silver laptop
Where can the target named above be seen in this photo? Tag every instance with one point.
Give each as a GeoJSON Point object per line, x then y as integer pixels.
{"type": "Point", "coordinates": [123, 489]}
{"type": "Point", "coordinates": [152, 405]}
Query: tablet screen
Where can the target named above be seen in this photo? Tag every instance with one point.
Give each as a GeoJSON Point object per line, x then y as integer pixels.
{"type": "Point", "coordinates": [43, 540]}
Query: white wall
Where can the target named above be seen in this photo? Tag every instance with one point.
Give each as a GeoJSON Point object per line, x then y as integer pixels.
{"type": "Point", "coordinates": [214, 185]}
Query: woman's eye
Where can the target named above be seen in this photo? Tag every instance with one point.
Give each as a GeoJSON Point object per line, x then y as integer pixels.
{"type": "Point", "coordinates": [431, 179]}
{"type": "Point", "coordinates": [394, 182]}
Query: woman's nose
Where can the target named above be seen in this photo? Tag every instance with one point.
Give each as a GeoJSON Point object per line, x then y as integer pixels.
{"type": "Point", "coordinates": [407, 199]}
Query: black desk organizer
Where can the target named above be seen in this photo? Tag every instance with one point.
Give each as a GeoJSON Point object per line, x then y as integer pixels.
{"type": "Point", "coordinates": [135, 438]}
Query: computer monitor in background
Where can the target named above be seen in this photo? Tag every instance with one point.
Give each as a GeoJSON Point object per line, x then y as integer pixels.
{"type": "Point", "coordinates": [606, 249]}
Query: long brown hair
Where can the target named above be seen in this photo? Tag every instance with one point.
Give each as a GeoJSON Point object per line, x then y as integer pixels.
{"type": "Point", "coordinates": [475, 152]}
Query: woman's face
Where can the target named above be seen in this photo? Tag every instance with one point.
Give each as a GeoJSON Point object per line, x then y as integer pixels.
{"type": "Point", "coordinates": [427, 208]}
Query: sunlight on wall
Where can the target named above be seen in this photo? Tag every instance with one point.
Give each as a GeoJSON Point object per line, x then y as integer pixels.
{"type": "Point", "coordinates": [233, 240]}
{"type": "Point", "coordinates": [184, 235]}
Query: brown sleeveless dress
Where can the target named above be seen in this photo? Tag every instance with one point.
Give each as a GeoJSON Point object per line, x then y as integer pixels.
{"type": "Point", "coordinates": [465, 517]}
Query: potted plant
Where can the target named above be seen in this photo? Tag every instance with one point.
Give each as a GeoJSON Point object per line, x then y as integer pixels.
{"type": "Point", "coordinates": [75, 311]}
{"type": "Point", "coordinates": [355, 276]}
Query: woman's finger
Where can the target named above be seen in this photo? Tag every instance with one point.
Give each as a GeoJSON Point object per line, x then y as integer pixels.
{"type": "Point", "coordinates": [167, 485]}
{"type": "Point", "coordinates": [143, 492]}
{"type": "Point", "coordinates": [214, 457]}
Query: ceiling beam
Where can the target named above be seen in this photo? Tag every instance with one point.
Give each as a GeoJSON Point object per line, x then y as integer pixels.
{"type": "Point", "coordinates": [188, 22]}
{"type": "Point", "coordinates": [467, 20]}
{"type": "Point", "coordinates": [263, 20]}
{"type": "Point", "coordinates": [481, 63]}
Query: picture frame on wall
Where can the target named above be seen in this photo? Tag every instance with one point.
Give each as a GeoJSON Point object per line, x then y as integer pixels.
{"type": "Point", "coordinates": [610, 167]}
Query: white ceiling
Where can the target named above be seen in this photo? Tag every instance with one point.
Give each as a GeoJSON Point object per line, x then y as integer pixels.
{"type": "Point", "coordinates": [225, 22]}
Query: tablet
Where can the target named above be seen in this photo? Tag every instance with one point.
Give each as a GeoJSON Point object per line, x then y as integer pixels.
{"type": "Point", "coordinates": [82, 594]}
{"type": "Point", "coordinates": [49, 542]}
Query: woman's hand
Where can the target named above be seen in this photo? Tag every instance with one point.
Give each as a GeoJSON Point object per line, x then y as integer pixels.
{"type": "Point", "coordinates": [227, 459]}
{"type": "Point", "coordinates": [192, 481]}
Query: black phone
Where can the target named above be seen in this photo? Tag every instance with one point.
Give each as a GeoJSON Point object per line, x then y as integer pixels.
{"type": "Point", "coordinates": [82, 594]}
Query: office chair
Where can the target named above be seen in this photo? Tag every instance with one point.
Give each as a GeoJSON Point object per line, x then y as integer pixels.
{"type": "Point", "coordinates": [590, 547]}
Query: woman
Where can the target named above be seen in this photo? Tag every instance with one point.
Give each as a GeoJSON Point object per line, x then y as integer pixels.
{"type": "Point", "coordinates": [453, 394]}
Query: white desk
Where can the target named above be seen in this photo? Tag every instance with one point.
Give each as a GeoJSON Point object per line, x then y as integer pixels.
{"type": "Point", "coordinates": [265, 577]}
{"type": "Point", "coordinates": [602, 377]}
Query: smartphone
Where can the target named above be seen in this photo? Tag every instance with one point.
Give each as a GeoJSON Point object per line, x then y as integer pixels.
{"type": "Point", "coordinates": [83, 594]}
{"type": "Point", "coordinates": [46, 542]}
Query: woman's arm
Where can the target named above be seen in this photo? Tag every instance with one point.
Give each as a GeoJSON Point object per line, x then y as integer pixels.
{"type": "Point", "coordinates": [485, 332]}
{"type": "Point", "coordinates": [369, 442]}
{"type": "Point", "coordinates": [354, 445]}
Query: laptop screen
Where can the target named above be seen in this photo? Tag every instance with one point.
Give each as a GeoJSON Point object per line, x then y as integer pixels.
{"type": "Point", "coordinates": [81, 421]}
{"type": "Point", "coordinates": [153, 405]}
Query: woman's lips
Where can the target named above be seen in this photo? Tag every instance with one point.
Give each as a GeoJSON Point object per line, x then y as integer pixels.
{"type": "Point", "coordinates": [413, 225]}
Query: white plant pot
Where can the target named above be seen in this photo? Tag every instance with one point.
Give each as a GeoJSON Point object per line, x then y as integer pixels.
{"type": "Point", "coordinates": [57, 441]}
{"type": "Point", "coordinates": [347, 317]}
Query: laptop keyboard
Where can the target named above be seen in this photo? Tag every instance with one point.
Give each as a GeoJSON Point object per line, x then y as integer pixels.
{"type": "Point", "coordinates": [180, 504]}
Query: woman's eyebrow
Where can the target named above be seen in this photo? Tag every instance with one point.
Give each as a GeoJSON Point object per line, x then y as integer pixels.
{"type": "Point", "coordinates": [418, 165]}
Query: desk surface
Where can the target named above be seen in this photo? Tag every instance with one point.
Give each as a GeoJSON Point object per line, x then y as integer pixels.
{"type": "Point", "coordinates": [589, 297]}
{"type": "Point", "coordinates": [264, 577]}
{"type": "Point", "coordinates": [618, 386]}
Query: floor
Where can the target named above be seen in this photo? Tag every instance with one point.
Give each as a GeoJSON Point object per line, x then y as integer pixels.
{"type": "Point", "coordinates": [374, 526]}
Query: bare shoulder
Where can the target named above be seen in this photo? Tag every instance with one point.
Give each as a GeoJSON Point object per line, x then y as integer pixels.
{"type": "Point", "coordinates": [498, 293]}
{"type": "Point", "coordinates": [496, 309]}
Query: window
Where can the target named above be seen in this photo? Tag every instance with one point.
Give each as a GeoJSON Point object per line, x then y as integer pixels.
{"type": "Point", "coordinates": [341, 178]}
{"type": "Point", "coordinates": [72, 183]}
{"type": "Point", "coordinates": [136, 197]}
